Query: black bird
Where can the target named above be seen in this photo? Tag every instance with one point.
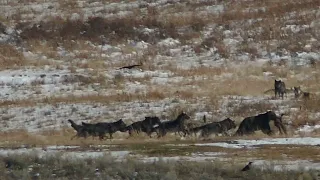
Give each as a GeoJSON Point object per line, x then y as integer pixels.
{"type": "Point", "coordinates": [8, 164]}
{"type": "Point", "coordinates": [247, 167]}
{"type": "Point", "coordinates": [204, 119]}
{"type": "Point", "coordinates": [130, 67]}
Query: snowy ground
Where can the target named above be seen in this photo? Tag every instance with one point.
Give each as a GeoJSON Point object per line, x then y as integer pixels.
{"type": "Point", "coordinates": [68, 74]}
{"type": "Point", "coordinates": [274, 141]}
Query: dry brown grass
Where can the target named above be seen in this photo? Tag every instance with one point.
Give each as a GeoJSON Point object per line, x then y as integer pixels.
{"type": "Point", "coordinates": [49, 49]}
{"type": "Point", "coordinates": [16, 138]}
{"type": "Point", "coordinates": [280, 72]}
{"type": "Point", "coordinates": [239, 86]}
{"type": "Point", "coordinates": [95, 64]}
{"type": "Point", "coordinates": [218, 82]}
{"type": "Point", "coordinates": [245, 109]}
{"type": "Point", "coordinates": [292, 152]}
{"type": "Point", "coordinates": [59, 30]}
{"type": "Point", "coordinates": [302, 117]}
{"type": "Point", "coordinates": [19, 137]}
{"type": "Point", "coordinates": [10, 57]}
{"type": "Point", "coordinates": [212, 81]}
{"type": "Point", "coordinates": [239, 11]}
{"type": "Point", "coordinates": [150, 95]}
{"type": "Point", "coordinates": [199, 71]}
{"type": "Point", "coordinates": [41, 139]}
{"type": "Point", "coordinates": [309, 104]}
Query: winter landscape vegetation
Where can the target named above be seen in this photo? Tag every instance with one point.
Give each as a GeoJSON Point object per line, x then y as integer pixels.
{"type": "Point", "coordinates": [66, 60]}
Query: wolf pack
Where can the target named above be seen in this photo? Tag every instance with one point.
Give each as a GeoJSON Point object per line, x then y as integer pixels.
{"type": "Point", "coordinates": [152, 126]}
{"type": "Point", "coordinates": [281, 90]}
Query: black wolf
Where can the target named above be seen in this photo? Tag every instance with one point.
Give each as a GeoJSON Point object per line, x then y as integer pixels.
{"type": "Point", "coordinates": [145, 126]}
{"type": "Point", "coordinates": [279, 88]}
{"type": "Point", "coordinates": [134, 127]}
{"type": "Point", "coordinates": [81, 130]}
{"type": "Point", "coordinates": [215, 127]}
{"type": "Point", "coordinates": [101, 129]}
{"type": "Point", "coordinates": [260, 122]}
{"type": "Point", "coordinates": [92, 129]}
{"type": "Point", "coordinates": [176, 125]}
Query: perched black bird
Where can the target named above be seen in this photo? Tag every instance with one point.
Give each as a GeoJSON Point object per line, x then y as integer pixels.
{"type": "Point", "coordinates": [247, 167]}
{"type": "Point", "coordinates": [8, 164]}
{"type": "Point", "coordinates": [12, 164]}
{"type": "Point", "coordinates": [130, 67]}
{"type": "Point", "coordinates": [204, 119]}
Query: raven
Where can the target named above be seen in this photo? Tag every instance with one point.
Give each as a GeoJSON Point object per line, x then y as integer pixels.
{"type": "Point", "coordinates": [130, 67]}
{"type": "Point", "coordinates": [247, 167]}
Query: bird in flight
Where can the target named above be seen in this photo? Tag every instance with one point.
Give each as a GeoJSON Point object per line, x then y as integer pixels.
{"type": "Point", "coordinates": [130, 67]}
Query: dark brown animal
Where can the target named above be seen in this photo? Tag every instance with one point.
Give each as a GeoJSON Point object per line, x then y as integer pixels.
{"type": "Point", "coordinates": [260, 122]}
{"type": "Point", "coordinates": [299, 93]}
{"type": "Point", "coordinates": [279, 124]}
{"type": "Point", "coordinates": [145, 126]}
{"type": "Point", "coordinates": [134, 127]}
{"type": "Point", "coordinates": [176, 126]}
{"type": "Point", "coordinates": [215, 127]}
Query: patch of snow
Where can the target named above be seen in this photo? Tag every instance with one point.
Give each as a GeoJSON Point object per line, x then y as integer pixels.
{"type": "Point", "coordinates": [61, 147]}
{"type": "Point", "coordinates": [266, 141]}
{"type": "Point", "coordinates": [61, 150]}
{"type": "Point", "coordinates": [281, 141]}
{"type": "Point", "coordinates": [135, 88]}
{"type": "Point", "coordinates": [142, 45]}
{"type": "Point", "coordinates": [309, 56]}
{"type": "Point", "coordinates": [105, 47]}
{"type": "Point", "coordinates": [26, 77]}
{"type": "Point", "coordinates": [302, 165]}
{"type": "Point", "coordinates": [175, 52]}
{"type": "Point", "coordinates": [179, 145]}
{"type": "Point", "coordinates": [75, 17]}
{"type": "Point", "coordinates": [199, 115]}
{"type": "Point", "coordinates": [194, 157]}
{"type": "Point", "coordinates": [169, 42]}
{"type": "Point", "coordinates": [208, 154]}
{"type": "Point", "coordinates": [95, 154]}
{"type": "Point", "coordinates": [224, 145]}
{"type": "Point", "coordinates": [216, 9]}
{"type": "Point", "coordinates": [308, 128]}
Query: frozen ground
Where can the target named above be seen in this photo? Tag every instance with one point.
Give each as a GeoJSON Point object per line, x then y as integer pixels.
{"type": "Point", "coordinates": [265, 141]}
{"type": "Point", "coordinates": [65, 152]}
